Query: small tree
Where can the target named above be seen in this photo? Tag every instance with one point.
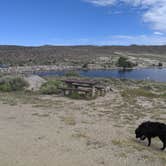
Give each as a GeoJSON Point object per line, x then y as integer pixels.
{"type": "Point", "coordinates": [85, 66]}
{"type": "Point", "coordinates": [72, 74]}
{"type": "Point", "coordinates": [123, 62]}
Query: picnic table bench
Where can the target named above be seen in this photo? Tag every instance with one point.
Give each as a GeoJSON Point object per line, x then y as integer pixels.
{"type": "Point", "coordinates": [89, 88]}
{"type": "Point", "coordinates": [81, 82]}
{"type": "Point", "coordinates": [84, 86]}
{"type": "Point", "coordinates": [68, 91]}
{"type": "Point", "coordinates": [101, 90]}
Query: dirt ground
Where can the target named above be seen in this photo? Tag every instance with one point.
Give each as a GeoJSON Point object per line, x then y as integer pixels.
{"type": "Point", "coordinates": [58, 131]}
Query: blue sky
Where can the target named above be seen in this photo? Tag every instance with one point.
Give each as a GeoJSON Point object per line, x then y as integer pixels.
{"type": "Point", "coordinates": [82, 22]}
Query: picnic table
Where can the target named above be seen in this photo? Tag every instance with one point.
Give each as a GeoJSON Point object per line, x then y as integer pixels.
{"type": "Point", "coordinates": [89, 88]}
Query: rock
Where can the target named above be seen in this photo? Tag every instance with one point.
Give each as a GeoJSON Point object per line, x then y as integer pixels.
{"type": "Point", "coordinates": [34, 82]}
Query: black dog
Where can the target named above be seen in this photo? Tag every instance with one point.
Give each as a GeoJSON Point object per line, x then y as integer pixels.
{"type": "Point", "coordinates": [150, 130]}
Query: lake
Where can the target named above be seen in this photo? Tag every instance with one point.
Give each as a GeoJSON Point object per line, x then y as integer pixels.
{"type": "Point", "coordinates": [155, 74]}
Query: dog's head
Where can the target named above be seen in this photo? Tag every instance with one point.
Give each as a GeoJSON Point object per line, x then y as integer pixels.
{"type": "Point", "coordinates": [140, 132]}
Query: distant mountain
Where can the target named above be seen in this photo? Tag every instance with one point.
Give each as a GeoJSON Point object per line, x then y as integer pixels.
{"type": "Point", "coordinates": [45, 55]}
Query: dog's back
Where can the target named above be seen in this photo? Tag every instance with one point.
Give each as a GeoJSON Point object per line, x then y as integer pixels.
{"type": "Point", "coordinates": [154, 129]}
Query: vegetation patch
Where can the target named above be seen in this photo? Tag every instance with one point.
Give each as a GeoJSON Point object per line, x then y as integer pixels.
{"type": "Point", "coordinates": [76, 95]}
{"type": "Point", "coordinates": [41, 115]}
{"type": "Point", "coordinates": [125, 63]}
{"type": "Point", "coordinates": [136, 92]}
{"type": "Point", "coordinates": [9, 83]}
{"type": "Point", "coordinates": [8, 100]}
{"type": "Point", "coordinates": [72, 74]}
{"type": "Point", "coordinates": [51, 87]}
{"type": "Point", "coordinates": [68, 120]}
{"type": "Point", "coordinates": [117, 142]}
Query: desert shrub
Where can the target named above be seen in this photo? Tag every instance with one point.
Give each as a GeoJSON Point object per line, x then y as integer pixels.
{"type": "Point", "coordinates": [163, 95]}
{"type": "Point", "coordinates": [9, 83]}
{"type": "Point", "coordinates": [160, 64]}
{"type": "Point", "coordinates": [160, 87]}
{"type": "Point", "coordinates": [51, 87]}
{"type": "Point", "coordinates": [85, 66]}
{"type": "Point", "coordinates": [75, 95]}
{"type": "Point", "coordinates": [123, 62]}
{"type": "Point", "coordinates": [72, 74]}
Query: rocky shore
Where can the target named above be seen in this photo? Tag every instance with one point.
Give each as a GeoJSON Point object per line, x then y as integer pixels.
{"type": "Point", "coordinates": [33, 69]}
{"type": "Point", "coordinates": [46, 68]}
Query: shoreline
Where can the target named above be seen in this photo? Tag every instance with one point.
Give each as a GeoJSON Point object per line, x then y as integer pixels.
{"type": "Point", "coordinates": [49, 68]}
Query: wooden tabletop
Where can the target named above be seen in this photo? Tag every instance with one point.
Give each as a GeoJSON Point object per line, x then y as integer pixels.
{"type": "Point", "coordinates": [81, 82]}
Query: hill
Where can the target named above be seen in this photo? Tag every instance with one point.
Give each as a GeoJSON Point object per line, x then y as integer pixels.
{"type": "Point", "coordinates": [75, 55]}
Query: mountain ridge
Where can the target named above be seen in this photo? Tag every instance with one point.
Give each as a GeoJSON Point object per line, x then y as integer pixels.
{"type": "Point", "coordinates": [48, 54]}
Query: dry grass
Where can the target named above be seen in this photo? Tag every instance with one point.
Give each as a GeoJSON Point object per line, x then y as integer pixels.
{"type": "Point", "coordinates": [68, 120]}
{"type": "Point", "coordinates": [132, 93]}
{"type": "Point", "coordinates": [80, 134]}
{"type": "Point", "coordinates": [41, 115]}
{"type": "Point", "coordinates": [95, 144]}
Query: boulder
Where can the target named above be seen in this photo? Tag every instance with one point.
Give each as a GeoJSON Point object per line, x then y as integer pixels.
{"type": "Point", "coordinates": [34, 82]}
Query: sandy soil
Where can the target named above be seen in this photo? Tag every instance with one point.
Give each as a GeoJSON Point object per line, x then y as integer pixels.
{"type": "Point", "coordinates": [77, 133]}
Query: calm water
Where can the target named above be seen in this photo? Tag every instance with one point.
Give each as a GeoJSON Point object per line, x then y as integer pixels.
{"type": "Point", "coordinates": [155, 74]}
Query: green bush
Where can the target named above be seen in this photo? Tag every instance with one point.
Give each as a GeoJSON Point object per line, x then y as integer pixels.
{"type": "Point", "coordinates": [85, 66]}
{"type": "Point", "coordinates": [123, 62]}
{"type": "Point", "coordinates": [160, 64]}
{"type": "Point", "coordinates": [72, 74]}
{"type": "Point", "coordinates": [75, 95]}
{"type": "Point", "coordinates": [9, 83]}
{"type": "Point", "coordinates": [51, 87]}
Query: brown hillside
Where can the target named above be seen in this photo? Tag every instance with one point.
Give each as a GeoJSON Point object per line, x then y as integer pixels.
{"type": "Point", "coordinates": [19, 55]}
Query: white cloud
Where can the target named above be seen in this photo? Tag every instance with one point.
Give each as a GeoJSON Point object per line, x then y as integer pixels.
{"type": "Point", "coordinates": [132, 2]}
{"type": "Point", "coordinates": [158, 33]}
{"type": "Point", "coordinates": [154, 11]}
{"type": "Point", "coordinates": [157, 17]}
{"type": "Point", "coordinates": [101, 2]}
